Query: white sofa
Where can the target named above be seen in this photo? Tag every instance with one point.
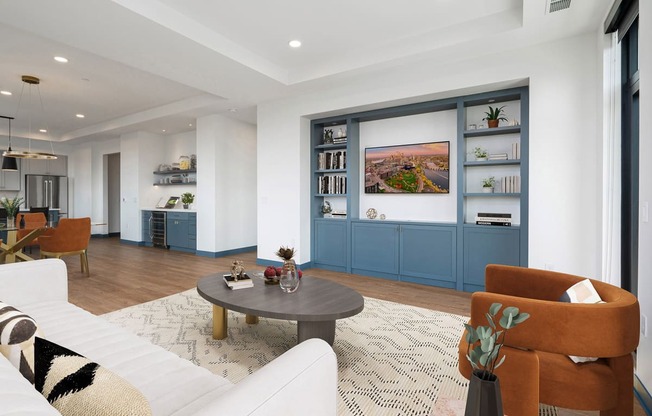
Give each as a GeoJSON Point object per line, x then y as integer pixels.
{"type": "Point", "coordinates": [303, 381]}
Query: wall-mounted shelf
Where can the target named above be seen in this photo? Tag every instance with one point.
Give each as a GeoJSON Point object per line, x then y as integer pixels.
{"type": "Point", "coordinates": [492, 195]}
{"type": "Point", "coordinates": [177, 183]}
{"type": "Point", "coordinates": [494, 162]}
{"type": "Point", "coordinates": [492, 132]}
{"type": "Point", "coordinates": [174, 172]}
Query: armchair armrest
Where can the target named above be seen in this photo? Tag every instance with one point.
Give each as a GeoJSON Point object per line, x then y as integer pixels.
{"type": "Point", "coordinates": [303, 381]}
{"type": "Point", "coordinates": [593, 330]}
{"type": "Point", "coordinates": [34, 281]}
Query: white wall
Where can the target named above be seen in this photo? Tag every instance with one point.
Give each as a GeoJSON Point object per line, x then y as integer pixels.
{"type": "Point", "coordinates": [564, 142]}
{"type": "Point", "coordinates": [644, 354]}
{"type": "Point", "coordinates": [226, 184]}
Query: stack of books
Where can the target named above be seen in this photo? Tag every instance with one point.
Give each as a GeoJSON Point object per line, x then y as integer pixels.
{"type": "Point", "coordinates": [331, 160]}
{"type": "Point", "coordinates": [241, 283]}
{"type": "Point", "coordinates": [339, 140]}
{"type": "Point", "coordinates": [494, 218]}
{"type": "Point", "coordinates": [497, 156]}
{"type": "Point", "coordinates": [510, 184]}
{"type": "Point", "coordinates": [516, 150]}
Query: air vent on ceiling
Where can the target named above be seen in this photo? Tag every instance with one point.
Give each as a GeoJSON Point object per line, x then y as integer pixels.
{"type": "Point", "coordinates": [557, 5]}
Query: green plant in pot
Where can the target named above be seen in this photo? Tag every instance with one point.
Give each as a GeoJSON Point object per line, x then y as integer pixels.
{"type": "Point", "coordinates": [12, 206]}
{"type": "Point", "coordinates": [488, 184]}
{"type": "Point", "coordinates": [186, 199]}
{"type": "Point", "coordinates": [494, 115]}
{"type": "Point", "coordinates": [480, 154]}
{"type": "Point", "coordinates": [483, 348]}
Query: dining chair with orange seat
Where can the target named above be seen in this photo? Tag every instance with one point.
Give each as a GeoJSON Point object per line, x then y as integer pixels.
{"type": "Point", "coordinates": [32, 220]}
{"type": "Point", "coordinates": [70, 237]}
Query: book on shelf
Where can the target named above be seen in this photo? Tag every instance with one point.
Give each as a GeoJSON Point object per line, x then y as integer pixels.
{"type": "Point", "coordinates": [497, 156]}
{"type": "Point", "coordinates": [494, 214]}
{"type": "Point", "coordinates": [493, 219]}
{"type": "Point", "coordinates": [510, 184]}
{"type": "Point", "coordinates": [338, 214]}
{"type": "Point", "coordinates": [331, 160]}
{"type": "Point", "coordinates": [241, 283]}
{"type": "Point", "coordinates": [498, 223]}
{"type": "Point", "coordinates": [516, 150]}
{"type": "Point", "coordinates": [335, 184]}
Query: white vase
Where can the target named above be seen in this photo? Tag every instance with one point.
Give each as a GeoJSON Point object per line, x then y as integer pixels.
{"type": "Point", "coordinates": [488, 190]}
{"type": "Point", "coordinates": [480, 159]}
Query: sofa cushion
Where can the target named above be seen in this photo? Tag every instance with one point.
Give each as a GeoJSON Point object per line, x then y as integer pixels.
{"type": "Point", "coordinates": [170, 384]}
{"type": "Point", "coordinates": [17, 332]}
{"type": "Point", "coordinates": [76, 386]}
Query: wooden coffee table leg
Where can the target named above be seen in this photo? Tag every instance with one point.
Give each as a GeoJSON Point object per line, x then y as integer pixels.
{"type": "Point", "coordinates": [251, 319]}
{"type": "Point", "coordinates": [219, 322]}
{"type": "Point", "coordinates": [322, 329]}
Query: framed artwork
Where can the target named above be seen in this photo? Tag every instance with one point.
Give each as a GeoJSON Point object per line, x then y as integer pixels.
{"type": "Point", "coordinates": [420, 168]}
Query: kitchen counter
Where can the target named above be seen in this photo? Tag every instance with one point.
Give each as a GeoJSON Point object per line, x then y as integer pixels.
{"type": "Point", "coordinates": [176, 209]}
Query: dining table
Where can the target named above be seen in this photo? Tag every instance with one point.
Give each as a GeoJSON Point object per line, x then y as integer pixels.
{"type": "Point", "coordinates": [12, 249]}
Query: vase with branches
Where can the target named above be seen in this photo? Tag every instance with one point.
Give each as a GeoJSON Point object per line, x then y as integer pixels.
{"type": "Point", "coordinates": [12, 206]}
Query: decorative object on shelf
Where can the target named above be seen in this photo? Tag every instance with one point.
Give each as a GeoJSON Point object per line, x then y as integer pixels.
{"type": "Point", "coordinates": [186, 199]}
{"type": "Point", "coordinates": [12, 206]}
{"type": "Point", "coordinates": [514, 123]}
{"type": "Point", "coordinates": [237, 270]}
{"type": "Point", "coordinates": [483, 347]}
{"type": "Point", "coordinates": [382, 216]}
{"type": "Point", "coordinates": [472, 126]}
{"type": "Point", "coordinates": [29, 154]}
{"type": "Point", "coordinates": [184, 162]}
{"type": "Point", "coordinates": [9, 163]}
{"type": "Point", "coordinates": [411, 168]}
{"type": "Point", "coordinates": [372, 213]}
{"type": "Point", "coordinates": [341, 133]}
{"type": "Point", "coordinates": [326, 207]}
{"type": "Point", "coordinates": [289, 278]}
{"type": "Point", "coordinates": [494, 115]}
{"type": "Point", "coordinates": [480, 154]}
{"type": "Point", "coordinates": [488, 184]}
{"type": "Point", "coordinates": [193, 162]}
{"type": "Point", "coordinates": [328, 136]}
{"type": "Point", "coordinates": [22, 221]}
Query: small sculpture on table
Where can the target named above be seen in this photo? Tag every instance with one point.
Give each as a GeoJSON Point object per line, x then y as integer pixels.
{"type": "Point", "coordinates": [237, 270]}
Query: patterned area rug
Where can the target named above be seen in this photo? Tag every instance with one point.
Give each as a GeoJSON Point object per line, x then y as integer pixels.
{"type": "Point", "coordinates": [393, 359]}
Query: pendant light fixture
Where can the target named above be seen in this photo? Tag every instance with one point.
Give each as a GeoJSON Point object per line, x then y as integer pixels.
{"type": "Point", "coordinates": [9, 163]}
{"type": "Point", "coordinates": [29, 154]}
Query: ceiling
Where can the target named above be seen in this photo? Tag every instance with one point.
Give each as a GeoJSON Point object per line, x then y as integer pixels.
{"type": "Point", "coordinates": [154, 65]}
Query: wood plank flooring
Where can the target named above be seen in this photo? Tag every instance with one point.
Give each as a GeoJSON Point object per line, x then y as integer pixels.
{"type": "Point", "coordinates": [125, 275]}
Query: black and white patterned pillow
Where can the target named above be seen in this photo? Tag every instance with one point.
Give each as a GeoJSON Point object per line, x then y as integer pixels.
{"type": "Point", "coordinates": [76, 386]}
{"type": "Point", "coordinates": [17, 332]}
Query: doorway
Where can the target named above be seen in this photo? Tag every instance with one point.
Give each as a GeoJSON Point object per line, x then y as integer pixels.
{"type": "Point", "coordinates": [113, 193]}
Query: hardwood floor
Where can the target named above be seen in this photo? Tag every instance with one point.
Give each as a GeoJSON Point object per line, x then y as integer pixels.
{"type": "Point", "coordinates": [125, 275]}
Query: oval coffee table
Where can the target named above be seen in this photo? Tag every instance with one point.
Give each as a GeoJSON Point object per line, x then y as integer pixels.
{"type": "Point", "coordinates": [315, 306]}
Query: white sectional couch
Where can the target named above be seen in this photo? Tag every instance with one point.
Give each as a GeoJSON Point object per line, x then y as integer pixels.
{"type": "Point", "coordinates": [303, 381]}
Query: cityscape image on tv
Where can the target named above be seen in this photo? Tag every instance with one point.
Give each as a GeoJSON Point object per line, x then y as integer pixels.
{"type": "Point", "coordinates": [413, 168]}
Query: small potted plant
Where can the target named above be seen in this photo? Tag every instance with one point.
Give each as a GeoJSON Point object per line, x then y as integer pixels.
{"type": "Point", "coordinates": [480, 154]}
{"type": "Point", "coordinates": [494, 115]}
{"type": "Point", "coordinates": [488, 184]}
{"type": "Point", "coordinates": [483, 348]}
{"type": "Point", "coordinates": [186, 199]}
{"type": "Point", "coordinates": [12, 206]}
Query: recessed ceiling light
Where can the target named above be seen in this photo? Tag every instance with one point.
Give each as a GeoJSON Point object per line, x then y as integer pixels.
{"type": "Point", "coordinates": [233, 110]}
{"type": "Point", "coordinates": [43, 131]}
{"type": "Point", "coordinates": [80, 116]}
{"type": "Point", "coordinates": [294, 43]}
{"type": "Point", "coordinates": [60, 59]}
{"type": "Point", "coordinates": [190, 125]}
{"type": "Point", "coordinates": [5, 92]}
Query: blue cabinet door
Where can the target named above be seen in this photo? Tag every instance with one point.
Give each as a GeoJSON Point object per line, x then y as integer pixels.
{"type": "Point", "coordinates": [375, 249]}
{"type": "Point", "coordinates": [487, 245]}
{"type": "Point", "coordinates": [330, 244]}
{"type": "Point", "coordinates": [192, 231]}
{"type": "Point", "coordinates": [177, 232]}
{"type": "Point", "coordinates": [427, 254]}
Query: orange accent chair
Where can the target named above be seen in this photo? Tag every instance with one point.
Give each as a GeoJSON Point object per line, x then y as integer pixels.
{"type": "Point", "coordinates": [71, 237]}
{"type": "Point", "coordinates": [537, 368]}
{"type": "Point", "coordinates": [33, 220]}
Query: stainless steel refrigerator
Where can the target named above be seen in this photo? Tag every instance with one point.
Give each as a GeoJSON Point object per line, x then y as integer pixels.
{"type": "Point", "coordinates": [47, 191]}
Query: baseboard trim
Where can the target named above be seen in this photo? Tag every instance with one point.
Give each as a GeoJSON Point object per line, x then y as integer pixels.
{"type": "Point", "coordinates": [278, 263]}
{"type": "Point", "coordinates": [105, 235]}
{"type": "Point", "coordinates": [225, 252]}
{"type": "Point", "coordinates": [132, 243]}
{"type": "Point", "coordinates": [643, 396]}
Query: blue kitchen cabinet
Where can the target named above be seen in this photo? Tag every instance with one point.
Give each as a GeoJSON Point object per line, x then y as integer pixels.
{"type": "Point", "coordinates": [178, 231]}
{"type": "Point", "coordinates": [331, 245]}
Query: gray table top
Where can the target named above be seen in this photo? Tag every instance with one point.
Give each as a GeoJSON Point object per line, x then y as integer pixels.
{"type": "Point", "coordinates": [316, 299]}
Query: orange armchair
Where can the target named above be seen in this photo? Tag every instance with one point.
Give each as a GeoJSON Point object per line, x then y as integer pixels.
{"type": "Point", "coordinates": [71, 237]}
{"type": "Point", "coordinates": [33, 220]}
{"type": "Point", "coordinates": [537, 368]}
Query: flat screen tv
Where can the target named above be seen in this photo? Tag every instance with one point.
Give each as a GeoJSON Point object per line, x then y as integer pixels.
{"type": "Point", "coordinates": [420, 168]}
